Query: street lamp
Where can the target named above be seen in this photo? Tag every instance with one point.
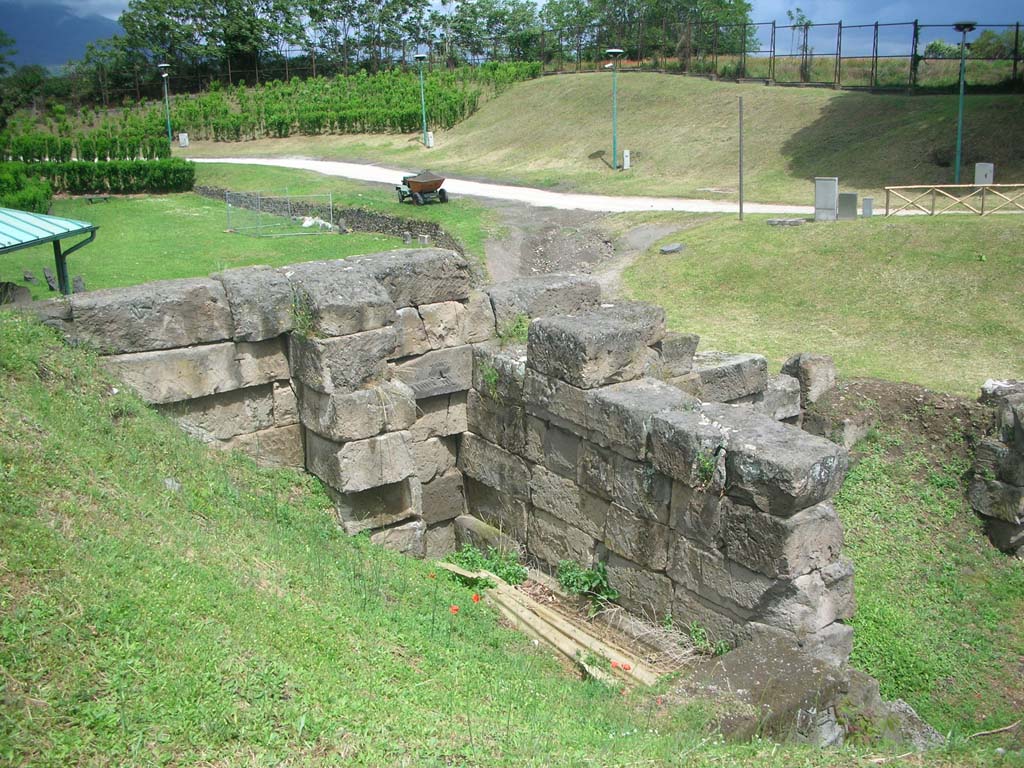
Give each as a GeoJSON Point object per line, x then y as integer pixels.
{"type": "Point", "coordinates": [963, 27]}
{"type": "Point", "coordinates": [615, 53]}
{"type": "Point", "coordinates": [420, 58]}
{"type": "Point", "coordinates": [167, 99]}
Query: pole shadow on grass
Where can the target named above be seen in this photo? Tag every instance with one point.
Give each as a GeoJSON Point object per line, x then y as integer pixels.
{"type": "Point", "coordinates": [600, 155]}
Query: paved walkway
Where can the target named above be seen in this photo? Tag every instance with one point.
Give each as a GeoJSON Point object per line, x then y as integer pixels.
{"type": "Point", "coordinates": [536, 197]}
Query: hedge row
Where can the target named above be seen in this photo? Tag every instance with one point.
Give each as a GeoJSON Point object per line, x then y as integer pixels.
{"type": "Point", "coordinates": [22, 191]}
{"type": "Point", "coordinates": [39, 146]}
{"type": "Point", "coordinates": [119, 177]}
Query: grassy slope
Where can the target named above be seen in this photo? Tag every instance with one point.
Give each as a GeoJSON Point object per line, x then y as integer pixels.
{"type": "Point", "coordinates": [556, 132]}
{"type": "Point", "coordinates": [903, 300]}
{"type": "Point", "coordinates": [169, 236]}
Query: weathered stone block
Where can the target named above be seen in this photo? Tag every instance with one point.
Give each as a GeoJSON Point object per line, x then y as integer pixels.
{"type": "Point", "coordinates": [540, 295]}
{"type": "Point", "coordinates": [725, 376]}
{"type": "Point", "coordinates": [634, 485]}
{"type": "Point", "coordinates": [167, 376]}
{"type": "Point", "coordinates": [481, 535]}
{"type": "Point", "coordinates": [688, 383]}
{"type": "Point", "coordinates": [498, 372]}
{"type": "Point", "coordinates": [640, 590]}
{"type": "Point", "coordinates": [552, 540]}
{"type": "Point", "coordinates": [813, 601]}
{"type": "Point", "coordinates": [344, 363]}
{"type": "Point", "coordinates": [780, 401]}
{"type": "Point", "coordinates": [377, 507]}
{"type": "Point", "coordinates": [717, 621]}
{"type": "Point", "coordinates": [412, 336]}
{"type": "Point", "coordinates": [361, 464]}
{"type": "Point", "coordinates": [721, 581]}
{"type": "Point", "coordinates": [444, 324]}
{"type": "Point", "coordinates": [434, 457]}
{"type": "Point", "coordinates": [995, 391]}
{"type": "Point", "coordinates": [636, 537]}
{"type": "Point", "coordinates": [444, 497]}
{"type": "Point", "coordinates": [335, 298]}
{"type": "Point", "coordinates": [507, 513]}
{"type": "Point", "coordinates": [1006, 537]}
{"type": "Point", "coordinates": [562, 498]}
{"type": "Point", "coordinates": [478, 319]}
{"type": "Point", "coordinates": [685, 445]}
{"type": "Point", "coordinates": [677, 351]}
{"type": "Point", "coordinates": [494, 466]}
{"type": "Point", "coordinates": [286, 406]}
{"type": "Point", "coordinates": [54, 313]}
{"type": "Point", "coordinates": [552, 400]}
{"type": "Point", "coordinates": [992, 498]}
{"type": "Point", "coordinates": [417, 276]}
{"type": "Point", "coordinates": [440, 416]}
{"type": "Point", "coordinates": [698, 515]}
{"type": "Point", "coordinates": [501, 425]}
{"type": "Point", "coordinates": [408, 539]}
{"type": "Point", "coordinates": [440, 372]}
{"type": "Point", "coordinates": [440, 541]}
{"type": "Point", "coordinates": [588, 350]}
{"type": "Point", "coordinates": [225, 415]}
{"type": "Point", "coordinates": [159, 315]}
{"type": "Point", "coordinates": [816, 374]}
{"type": "Point", "coordinates": [273, 447]}
{"type": "Point", "coordinates": [1010, 420]}
{"type": "Point", "coordinates": [649, 318]}
{"type": "Point", "coordinates": [260, 299]}
{"type": "Point", "coordinates": [995, 460]}
{"type": "Point", "coordinates": [775, 467]}
{"type": "Point", "coordinates": [533, 444]}
{"type": "Point", "coordinates": [561, 452]}
{"type": "Point", "coordinates": [783, 547]}
{"type": "Point", "coordinates": [346, 416]}
{"type": "Point", "coordinates": [619, 416]}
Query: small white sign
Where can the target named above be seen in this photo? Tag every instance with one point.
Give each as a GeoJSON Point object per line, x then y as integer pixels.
{"type": "Point", "coordinates": [625, 159]}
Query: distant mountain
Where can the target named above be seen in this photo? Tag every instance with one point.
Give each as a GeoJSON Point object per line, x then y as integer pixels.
{"type": "Point", "coordinates": [50, 34]}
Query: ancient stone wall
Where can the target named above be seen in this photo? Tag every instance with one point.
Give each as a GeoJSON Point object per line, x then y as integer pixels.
{"type": "Point", "coordinates": [601, 438]}
{"type": "Point", "coordinates": [996, 491]}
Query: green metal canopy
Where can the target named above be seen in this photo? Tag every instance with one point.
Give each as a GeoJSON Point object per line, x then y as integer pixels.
{"type": "Point", "coordinates": [21, 229]}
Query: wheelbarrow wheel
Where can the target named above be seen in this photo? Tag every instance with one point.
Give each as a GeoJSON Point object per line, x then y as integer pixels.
{"type": "Point", "coordinates": [417, 198]}
{"type": "Point", "coordinates": [401, 197]}
{"type": "Point", "coordinates": [442, 195]}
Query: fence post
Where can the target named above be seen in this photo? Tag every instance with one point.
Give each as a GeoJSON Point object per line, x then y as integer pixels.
{"type": "Point", "coordinates": [913, 56]}
{"type": "Point", "coordinates": [874, 58]}
{"type": "Point", "coordinates": [1016, 48]}
{"type": "Point", "coordinates": [838, 80]}
{"type": "Point", "coordinates": [771, 56]}
{"type": "Point", "coordinates": [689, 42]}
{"type": "Point", "coordinates": [714, 52]}
{"type": "Point", "coordinates": [743, 53]}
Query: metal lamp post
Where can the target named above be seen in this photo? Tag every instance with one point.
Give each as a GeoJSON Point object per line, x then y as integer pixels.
{"type": "Point", "coordinates": [615, 53]}
{"type": "Point", "coordinates": [420, 58]}
{"type": "Point", "coordinates": [963, 27]}
{"type": "Point", "coordinates": [167, 99]}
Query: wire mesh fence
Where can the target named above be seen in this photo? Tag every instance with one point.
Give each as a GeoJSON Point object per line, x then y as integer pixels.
{"type": "Point", "coordinates": [285, 215]}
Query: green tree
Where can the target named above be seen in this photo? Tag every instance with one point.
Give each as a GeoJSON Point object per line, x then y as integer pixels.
{"type": "Point", "coordinates": [7, 50]}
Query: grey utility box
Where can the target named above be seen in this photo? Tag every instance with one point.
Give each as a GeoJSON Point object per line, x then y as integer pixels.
{"type": "Point", "coordinates": [626, 160]}
{"type": "Point", "coordinates": [847, 206]}
{"type": "Point", "coordinates": [826, 198]}
{"type": "Point", "coordinates": [984, 173]}
{"type": "Point", "coordinates": [867, 207]}
{"type": "Point", "coordinates": [182, 139]}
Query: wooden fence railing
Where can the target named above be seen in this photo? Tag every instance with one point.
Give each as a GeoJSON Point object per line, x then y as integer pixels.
{"type": "Point", "coordinates": [933, 199]}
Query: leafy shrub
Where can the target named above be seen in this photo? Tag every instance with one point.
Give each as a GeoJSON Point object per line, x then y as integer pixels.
{"type": "Point", "coordinates": [591, 583]}
{"type": "Point", "coordinates": [119, 177]}
{"type": "Point", "coordinates": [24, 192]}
{"type": "Point", "coordinates": [504, 565]}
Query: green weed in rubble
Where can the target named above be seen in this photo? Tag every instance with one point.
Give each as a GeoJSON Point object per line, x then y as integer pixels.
{"type": "Point", "coordinates": [504, 565]}
{"type": "Point", "coordinates": [515, 331]}
{"type": "Point", "coordinates": [591, 583]}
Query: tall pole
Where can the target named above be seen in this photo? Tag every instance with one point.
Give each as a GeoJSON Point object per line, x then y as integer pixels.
{"type": "Point", "coordinates": [741, 158]}
{"type": "Point", "coordinates": [963, 27]}
{"type": "Point", "coordinates": [167, 100]}
{"type": "Point", "coordinates": [615, 53]}
{"type": "Point", "coordinates": [423, 98]}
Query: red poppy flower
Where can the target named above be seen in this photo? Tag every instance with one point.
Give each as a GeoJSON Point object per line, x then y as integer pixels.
{"type": "Point", "coordinates": [476, 598]}
{"type": "Point", "coordinates": [660, 701]}
{"type": "Point", "coordinates": [626, 667]}
{"type": "Point", "coordinates": [431, 575]}
{"type": "Point", "coordinates": [615, 665]}
{"type": "Point", "coordinates": [454, 609]}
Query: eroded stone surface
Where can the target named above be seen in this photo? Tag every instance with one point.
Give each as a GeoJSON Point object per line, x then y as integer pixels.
{"type": "Point", "coordinates": [542, 295]}
{"type": "Point", "coordinates": [260, 299]}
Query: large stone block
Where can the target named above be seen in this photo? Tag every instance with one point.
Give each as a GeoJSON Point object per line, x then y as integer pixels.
{"type": "Point", "coordinates": [377, 507]}
{"type": "Point", "coordinates": [698, 515]}
{"type": "Point", "coordinates": [552, 540]}
{"type": "Point", "coordinates": [408, 539]}
{"type": "Point", "coordinates": [434, 457]}
{"type": "Point", "coordinates": [158, 315]}
{"type": "Point", "coordinates": [483, 536]}
{"type": "Point", "coordinates": [776, 467]}
{"type": "Point", "coordinates": [725, 376]}
{"type": "Point", "coordinates": [167, 376]}
{"type": "Point", "coordinates": [444, 324]}
{"type": "Point", "coordinates": [783, 547]}
{"type": "Point", "coordinates": [718, 622]}
{"type": "Point", "coordinates": [813, 601]}
{"type": "Point", "coordinates": [346, 416]}
{"type": "Point", "coordinates": [686, 445]}
{"type": "Point", "coordinates": [992, 498]}
{"type": "Point", "coordinates": [541, 295]}
{"type": "Point", "coordinates": [619, 416]}
{"type": "Point", "coordinates": [440, 416]}
{"type": "Point", "coordinates": [994, 460]}
{"type": "Point", "coordinates": [478, 319]}
{"type": "Point", "coordinates": [494, 466]}
{"type": "Point", "coordinates": [506, 513]}
{"type": "Point", "coordinates": [412, 336]}
{"type": "Point", "coordinates": [439, 372]}
{"type": "Point", "coordinates": [641, 590]}
{"type": "Point", "coordinates": [502, 425]}
{"type": "Point", "coordinates": [286, 406]}
{"type": "Point", "coordinates": [780, 401]}
{"type": "Point", "coordinates": [440, 541]}
{"type": "Point", "coordinates": [677, 351]}
{"type": "Point", "coordinates": [634, 485]}
{"type": "Point", "coordinates": [563, 499]}
{"type": "Point", "coordinates": [590, 349]}
{"type": "Point", "coordinates": [1010, 420]}
{"type": "Point", "coordinates": [335, 298]}
{"type": "Point", "coordinates": [561, 452]}
{"type": "Point", "coordinates": [444, 497]}
{"type": "Point", "coordinates": [1006, 537]}
{"type": "Point", "coordinates": [498, 372]}
{"type": "Point", "coordinates": [225, 415]}
{"type": "Point", "coordinates": [260, 299]}
{"type": "Point", "coordinates": [649, 318]}
{"type": "Point", "coordinates": [344, 363]}
{"type": "Point", "coordinates": [816, 374]}
{"type": "Point", "coordinates": [273, 447]}
{"type": "Point", "coordinates": [721, 581]}
{"type": "Point", "coordinates": [553, 400]}
{"type": "Point", "coordinates": [416, 276]}
{"type": "Point", "coordinates": [636, 537]}
{"type": "Point", "coordinates": [361, 464]}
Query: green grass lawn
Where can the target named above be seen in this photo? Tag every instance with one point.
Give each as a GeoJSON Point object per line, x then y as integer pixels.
{"type": "Point", "coordinates": [933, 301]}
{"type": "Point", "coordinates": [555, 132]}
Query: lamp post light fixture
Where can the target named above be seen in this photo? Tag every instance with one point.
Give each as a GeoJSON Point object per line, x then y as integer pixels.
{"type": "Point", "coordinates": [963, 27]}
{"type": "Point", "coordinates": [167, 99]}
{"type": "Point", "coordinates": [420, 58]}
{"type": "Point", "coordinates": [614, 54]}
